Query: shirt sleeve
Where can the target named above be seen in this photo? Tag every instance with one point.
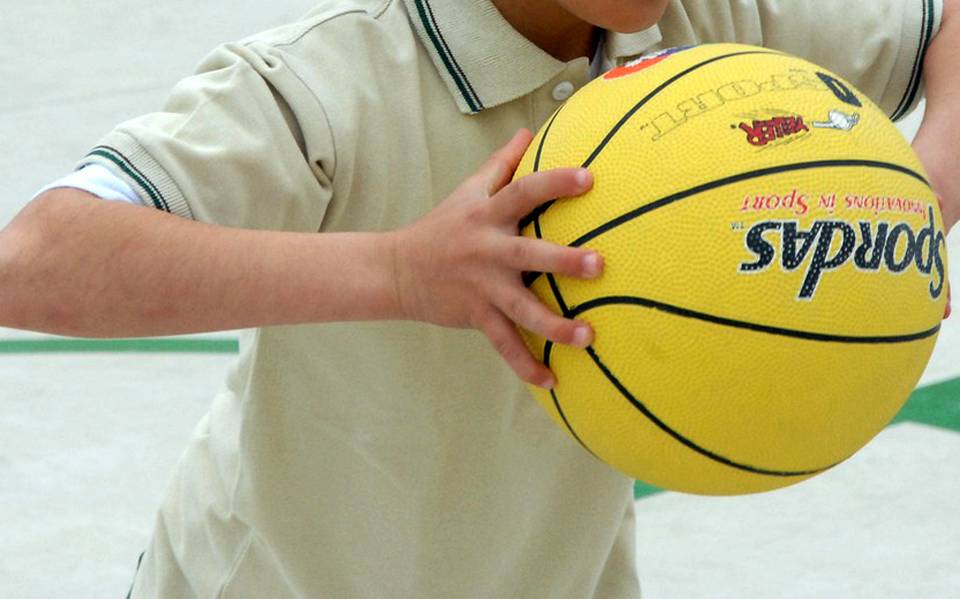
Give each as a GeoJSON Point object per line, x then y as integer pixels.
{"type": "Point", "coordinates": [878, 45]}
{"type": "Point", "coordinates": [99, 181]}
{"type": "Point", "coordinates": [229, 148]}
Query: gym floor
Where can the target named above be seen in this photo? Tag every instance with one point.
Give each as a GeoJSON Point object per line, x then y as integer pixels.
{"type": "Point", "coordinates": [90, 431]}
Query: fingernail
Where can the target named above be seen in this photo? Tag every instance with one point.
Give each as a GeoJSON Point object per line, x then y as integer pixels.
{"type": "Point", "coordinates": [592, 264]}
{"type": "Point", "coordinates": [584, 177]}
{"type": "Point", "coordinates": [549, 383]}
{"type": "Point", "coordinates": [581, 337]}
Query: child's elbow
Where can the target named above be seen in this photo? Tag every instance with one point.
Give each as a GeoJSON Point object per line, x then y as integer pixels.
{"type": "Point", "coordinates": [20, 241]}
{"type": "Point", "coordinates": [9, 311]}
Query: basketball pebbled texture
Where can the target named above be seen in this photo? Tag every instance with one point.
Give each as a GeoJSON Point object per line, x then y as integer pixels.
{"type": "Point", "coordinates": [775, 269]}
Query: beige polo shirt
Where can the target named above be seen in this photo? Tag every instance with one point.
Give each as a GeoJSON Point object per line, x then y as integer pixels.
{"type": "Point", "coordinates": [398, 459]}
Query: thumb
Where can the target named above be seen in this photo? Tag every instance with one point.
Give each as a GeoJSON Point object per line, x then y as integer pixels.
{"type": "Point", "coordinates": [498, 170]}
{"type": "Point", "coordinates": [948, 309]}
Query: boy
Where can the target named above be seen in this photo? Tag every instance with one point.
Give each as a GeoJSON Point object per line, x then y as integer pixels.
{"type": "Point", "coordinates": [372, 456]}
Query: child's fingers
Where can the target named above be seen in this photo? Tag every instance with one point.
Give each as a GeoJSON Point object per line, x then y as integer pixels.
{"type": "Point", "coordinates": [499, 168]}
{"type": "Point", "coordinates": [522, 307]}
{"type": "Point", "coordinates": [948, 309]}
{"type": "Point", "coordinates": [526, 194]}
{"type": "Point", "coordinates": [523, 254]}
{"type": "Point", "coordinates": [505, 338]}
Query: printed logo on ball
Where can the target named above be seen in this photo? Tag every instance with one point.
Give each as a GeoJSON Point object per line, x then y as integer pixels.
{"type": "Point", "coordinates": [762, 132]}
{"type": "Point", "coordinates": [786, 128]}
{"type": "Point", "coordinates": [658, 124]}
{"type": "Point", "coordinates": [827, 245]}
{"type": "Point", "coordinates": [839, 120]}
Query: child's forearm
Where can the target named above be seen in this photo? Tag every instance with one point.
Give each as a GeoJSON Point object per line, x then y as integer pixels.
{"type": "Point", "coordinates": [938, 140]}
{"type": "Point", "coordinates": [72, 264]}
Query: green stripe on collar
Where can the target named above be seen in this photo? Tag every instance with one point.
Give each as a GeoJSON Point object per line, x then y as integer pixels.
{"type": "Point", "coordinates": [425, 12]}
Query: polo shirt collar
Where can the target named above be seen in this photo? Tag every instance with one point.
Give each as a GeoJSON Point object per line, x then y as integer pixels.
{"type": "Point", "coordinates": [485, 62]}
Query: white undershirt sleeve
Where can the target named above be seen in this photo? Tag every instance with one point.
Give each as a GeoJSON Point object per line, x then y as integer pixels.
{"type": "Point", "coordinates": [99, 181]}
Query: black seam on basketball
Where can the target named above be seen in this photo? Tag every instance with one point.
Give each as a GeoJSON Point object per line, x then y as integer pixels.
{"type": "Point", "coordinates": [530, 277]}
{"type": "Point", "coordinates": [535, 215]}
{"type": "Point", "coordinates": [684, 440]}
{"type": "Point", "coordinates": [547, 351]}
{"type": "Point", "coordinates": [629, 114]}
{"type": "Point", "coordinates": [543, 140]}
{"type": "Point", "coordinates": [559, 297]}
{"type": "Point", "coordinates": [548, 345]}
{"type": "Point", "coordinates": [750, 326]}
{"type": "Point", "coordinates": [774, 170]}
{"type": "Point", "coordinates": [551, 279]}
{"type": "Point", "coordinates": [682, 195]}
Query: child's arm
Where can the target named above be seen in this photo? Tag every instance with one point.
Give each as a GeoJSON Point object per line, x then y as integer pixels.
{"type": "Point", "coordinates": [73, 264]}
{"type": "Point", "coordinates": [938, 141]}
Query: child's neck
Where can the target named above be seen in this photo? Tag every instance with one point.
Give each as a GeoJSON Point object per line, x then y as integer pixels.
{"type": "Point", "coordinates": [549, 26]}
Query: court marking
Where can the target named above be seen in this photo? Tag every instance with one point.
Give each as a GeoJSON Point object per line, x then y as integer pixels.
{"type": "Point", "coordinates": [172, 345]}
{"type": "Point", "coordinates": [935, 405]}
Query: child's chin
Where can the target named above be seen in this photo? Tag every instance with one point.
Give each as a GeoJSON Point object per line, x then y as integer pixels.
{"type": "Point", "coordinates": [629, 26]}
{"type": "Point", "coordinates": [640, 19]}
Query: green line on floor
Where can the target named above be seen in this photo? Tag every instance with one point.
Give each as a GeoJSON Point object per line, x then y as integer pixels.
{"type": "Point", "coordinates": [172, 345]}
{"type": "Point", "coordinates": [641, 490]}
{"type": "Point", "coordinates": [935, 405]}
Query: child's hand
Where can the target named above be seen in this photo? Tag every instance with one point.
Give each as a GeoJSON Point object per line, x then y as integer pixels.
{"type": "Point", "coordinates": [461, 264]}
{"type": "Point", "coordinates": [938, 140]}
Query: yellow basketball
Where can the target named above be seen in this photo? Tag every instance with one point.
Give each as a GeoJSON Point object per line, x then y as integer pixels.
{"type": "Point", "coordinates": [775, 269]}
